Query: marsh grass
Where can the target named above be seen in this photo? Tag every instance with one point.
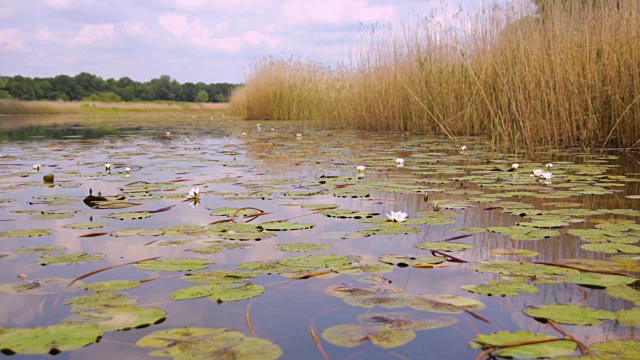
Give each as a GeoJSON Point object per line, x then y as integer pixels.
{"type": "Point", "coordinates": [567, 76]}
{"type": "Point", "coordinates": [75, 107]}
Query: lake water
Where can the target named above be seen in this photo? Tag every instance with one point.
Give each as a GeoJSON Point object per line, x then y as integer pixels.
{"type": "Point", "coordinates": [304, 179]}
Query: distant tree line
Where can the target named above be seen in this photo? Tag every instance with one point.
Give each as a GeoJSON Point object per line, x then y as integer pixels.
{"type": "Point", "coordinates": [85, 86]}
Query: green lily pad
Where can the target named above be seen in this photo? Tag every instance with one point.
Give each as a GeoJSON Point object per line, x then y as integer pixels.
{"type": "Point", "coordinates": [204, 343]}
{"type": "Point", "coordinates": [284, 226]}
{"type": "Point", "coordinates": [523, 269]}
{"type": "Point", "coordinates": [625, 292]}
{"type": "Point", "coordinates": [137, 232]}
{"type": "Point", "coordinates": [614, 349]}
{"type": "Point", "coordinates": [218, 276]}
{"type": "Point", "coordinates": [301, 247]}
{"type": "Point", "coordinates": [101, 299]}
{"type": "Point", "coordinates": [534, 351]}
{"type": "Point", "coordinates": [294, 265]}
{"type": "Point", "coordinates": [351, 335]}
{"type": "Point", "coordinates": [456, 300]}
{"type": "Point", "coordinates": [69, 258]}
{"type": "Point", "coordinates": [112, 285]}
{"type": "Point", "coordinates": [409, 260]}
{"type": "Point", "coordinates": [173, 264]}
{"type": "Point", "coordinates": [516, 252]}
{"type": "Point", "coordinates": [348, 214]}
{"type": "Point", "coordinates": [220, 292]}
{"type": "Point", "coordinates": [611, 248]}
{"type": "Point", "coordinates": [121, 317]}
{"type": "Point", "coordinates": [629, 317]}
{"type": "Point", "coordinates": [443, 246]}
{"type": "Point", "coordinates": [41, 286]}
{"type": "Point", "coordinates": [217, 246]}
{"type": "Point", "coordinates": [86, 225]}
{"type": "Point", "coordinates": [569, 313]}
{"type": "Point", "coordinates": [229, 211]}
{"type": "Point", "coordinates": [501, 287]}
{"type": "Point", "coordinates": [50, 339]}
{"type": "Point", "coordinates": [39, 249]}
{"type": "Point", "coordinates": [389, 228]}
{"type": "Point", "coordinates": [600, 280]}
{"type": "Point", "coordinates": [129, 215]}
{"type": "Point", "coordinates": [523, 232]}
{"type": "Point", "coordinates": [25, 232]}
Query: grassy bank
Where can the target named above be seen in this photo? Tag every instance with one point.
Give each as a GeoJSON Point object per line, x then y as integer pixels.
{"type": "Point", "coordinates": [78, 107]}
{"type": "Point", "coordinates": [567, 76]}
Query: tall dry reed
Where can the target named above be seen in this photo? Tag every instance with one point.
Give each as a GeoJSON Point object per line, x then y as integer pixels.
{"type": "Point", "coordinates": [568, 75]}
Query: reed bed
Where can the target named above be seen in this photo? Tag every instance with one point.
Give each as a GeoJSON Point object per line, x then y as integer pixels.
{"type": "Point", "coordinates": [75, 107]}
{"type": "Point", "coordinates": [568, 75]}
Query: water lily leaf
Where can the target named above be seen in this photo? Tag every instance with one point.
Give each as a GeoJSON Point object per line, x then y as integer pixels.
{"type": "Point", "coordinates": [40, 286]}
{"type": "Point", "coordinates": [301, 247]}
{"type": "Point", "coordinates": [615, 349]}
{"type": "Point", "coordinates": [625, 292]}
{"type": "Point", "coordinates": [218, 276]}
{"type": "Point", "coordinates": [166, 243]}
{"type": "Point", "coordinates": [611, 248]}
{"type": "Point", "coordinates": [294, 265]}
{"type": "Point", "coordinates": [137, 232]}
{"type": "Point", "coordinates": [204, 343]}
{"type": "Point", "coordinates": [600, 280]}
{"type": "Point", "coordinates": [501, 287]}
{"type": "Point", "coordinates": [121, 317]}
{"type": "Point", "coordinates": [405, 321]}
{"type": "Point", "coordinates": [534, 351]}
{"type": "Point", "coordinates": [101, 299]}
{"type": "Point", "coordinates": [523, 232]}
{"type": "Point", "coordinates": [50, 339]}
{"type": "Point", "coordinates": [230, 211]}
{"type": "Point", "coordinates": [39, 249]}
{"type": "Point", "coordinates": [129, 215]}
{"type": "Point", "coordinates": [173, 264]}
{"type": "Point", "coordinates": [569, 313]}
{"type": "Point", "coordinates": [372, 267]}
{"type": "Point", "coordinates": [112, 285]}
{"type": "Point", "coordinates": [316, 207]}
{"type": "Point", "coordinates": [284, 226]}
{"type": "Point", "coordinates": [629, 317]}
{"type": "Point", "coordinates": [409, 260]}
{"type": "Point", "coordinates": [523, 269]}
{"type": "Point", "coordinates": [348, 214]}
{"type": "Point", "coordinates": [86, 225]}
{"type": "Point", "coordinates": [220, 292]}
{"type": "Point", "coordinates": [605, 236]}
{"type": "Point", "coordinates": [389, 228]}
{"type": "Point", "coordinates": [217, 246]}
{"type": "Point", "coordinates": [25, 232]}
{"type": "Point", "coordinates": [443, 246]}
{"type": "Point", "coordinates": [350, 335]}
{"type": "Point", "coordinates": [455, 300]}
{"type": "Point", "coordinates": [69, 258]}
{"type": "Point", "coordinates": [516, 252]}
{"type": "Point", "coordinates": [55, 214]}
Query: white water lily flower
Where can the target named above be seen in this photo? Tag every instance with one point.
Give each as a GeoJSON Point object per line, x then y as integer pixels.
{"type": "Point", "coordinates": [546, 175]}
{"type": "Point", "coordinates": [549, 165]}
{"type": "Point", "coordinates": [244, 134]}
{"type": "Point", "coordinates": [168, 133]}
{"type": "Point", "coordinates": [298, 136]}
{"type": "Point", "coordinates": [36, 167]}
{"type": "Point", "coordinates": [258, 125]}
{"type": "Point", "coordinates": [107, 167]}
{"type": "Point", "coordinates": [537, 172]}
{"type": "Point", "coordinates": [515, 166]}
{"type": "Point", "coordinates": [463, 148]}
{"type": "Point", "coordinates": [360, 167]}
{"type": "Point", "coordinates": [127, 169]}
{"type": "Point", "coordinates": [397, 216]}
{"type": "Point", "coordinates": [194, 194]}
{"type": "Point", "coordinates": [399, 160]}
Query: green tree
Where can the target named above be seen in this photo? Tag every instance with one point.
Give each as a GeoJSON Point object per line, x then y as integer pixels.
{"type": "Point", "coordinates": [202, 96]}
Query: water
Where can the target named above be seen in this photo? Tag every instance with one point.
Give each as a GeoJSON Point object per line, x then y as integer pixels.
{"type": "Point", "coordinates": [239, 164]}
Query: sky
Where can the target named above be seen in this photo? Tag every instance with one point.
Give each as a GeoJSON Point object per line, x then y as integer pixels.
{"type": "Point", "coordinates": [192, 40]}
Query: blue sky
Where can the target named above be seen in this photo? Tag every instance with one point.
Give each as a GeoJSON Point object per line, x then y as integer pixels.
{"type": "Point", "coordinates": [192, 40]}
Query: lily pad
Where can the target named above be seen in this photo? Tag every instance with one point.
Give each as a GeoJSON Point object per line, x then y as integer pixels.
{"type": "Point", "coordinates": [601, 280]}
{"type": "Point", "coordinates": [351, 335]}
{"type": "Point", "coordinates": [50, 339]}
{"type": "Point", "coordinates": [348, 214]}
{"type": "Point", "coordinates": [534, 351]}
{"type": "Point", "coordinates": [173, 264]}
{"type": "Point", "coordinates": [40, 286]}
{"type": "Point", "coordinates": [229, 211]}
{"type": "Point", "coordinates": [86, 225]}
{"type": "Point", "coordinates": [137, 232]}
{"type": "Point", "coordinates": [121, 317]}
{"type": "Point", "coordinates": [284, 226]}
{"type": "Point", "coordinates": [523, 269]}
{"type": "Point", "coordinates": [611, 248]}
{"type": "Point", "coordinates": [205, 343]}
{"type": "Point", "coordinates": [301, 247]}
{"type": "Point", "coordinates": [569, 313]}
{"type": "Point", "coordinates": [129, 215]}
{"type": "Point", "coordinates": [39, 249]}
{"type": "Point", "coordinates": [25, 233]}
{"type": "Point", "coordinates": [218, 276]}
{"type": "Point", "coordinates": [625, 292]}
{"type": "Point", "coordinates": [524, 232]}
{"type": "Point", "coordinates": [615, 349]}
{"type": "Point", "coordinates": [629, 317]}
{"type": "Point", "coordinates": [69, 258]}
{"type": "Point", "coordinates": [409, 260]}
{"type": "Point", "coordinates": [501, 287]}
{"type": "Point", "coordinates": [515, 252]}
{"type": "Point", "coordinates": [220, 292]}
{"type": "Point", "coordinates": [443, 246]}
{"type": "Point", "coordinates": [112, 285]}
{"type": "Point", "coordinates": [109, 298]}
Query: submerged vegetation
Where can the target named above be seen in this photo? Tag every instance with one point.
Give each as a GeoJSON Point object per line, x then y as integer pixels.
{"type": "Point", "coordinates": [564, 76]}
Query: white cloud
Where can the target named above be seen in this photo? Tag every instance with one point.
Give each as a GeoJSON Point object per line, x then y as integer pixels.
{"type": "Point", "coordinates": [193, 5]}
{"type": "Point", "coordinates": [11, 39]}
{"type": "Point", "coordinates": [336, 11]}
{"type": "Point", "coordinates": [92, 33]}
{"type": "Point", "coordinates": [59, 4]}
{"type": "Point", "coordinates": [6, 11]}
{"type": "Point", "coordinates": [194, 33]}
{"type": "Point", "coordinates": [47, 35]}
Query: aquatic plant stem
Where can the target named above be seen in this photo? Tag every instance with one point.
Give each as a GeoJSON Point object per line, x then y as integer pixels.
{"type": "Point", "coordinates": [316, 340]}
{"type": "Point", "coordinates": [453, 258]}
{"type": "Point", "coordinates": [247, 314]}
{"type": "Point", "coordinates": [576, 267]}
{"type": "Point", "coordinates": [583, 348]}
{"type": "Point", "coordinates": [108, 268]}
